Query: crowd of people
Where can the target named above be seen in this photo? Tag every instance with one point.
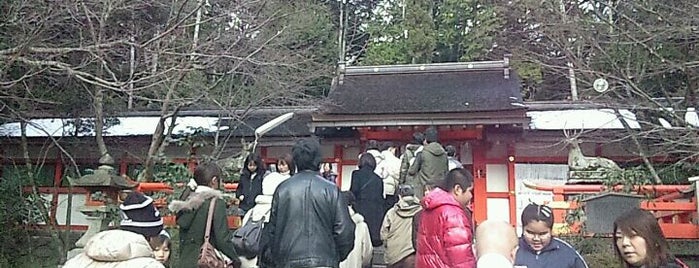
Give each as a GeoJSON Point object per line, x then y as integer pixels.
{"type": "Point", "coordinates": [416, 206]}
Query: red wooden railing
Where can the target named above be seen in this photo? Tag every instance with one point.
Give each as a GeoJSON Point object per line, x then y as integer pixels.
{"type": "Point", "coordinates": [169, 220]}
{"type": "Point", "coordinates": [675, 215]}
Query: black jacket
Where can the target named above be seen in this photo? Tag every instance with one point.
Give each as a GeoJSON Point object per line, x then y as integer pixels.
{"type": "Point", "coordinates": [367, 188]}
{"type": "Point", "coordinates": [250, 186]}
{"type": "Point", "coordinates": [309, 224]}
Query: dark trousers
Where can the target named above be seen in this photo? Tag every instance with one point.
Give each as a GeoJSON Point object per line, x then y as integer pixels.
{"type": "Point", "coordinates": [407, 262]}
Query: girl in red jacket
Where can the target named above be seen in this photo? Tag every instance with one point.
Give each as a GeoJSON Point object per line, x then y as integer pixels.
{"type": "Point", "coordinates": [445, 234]}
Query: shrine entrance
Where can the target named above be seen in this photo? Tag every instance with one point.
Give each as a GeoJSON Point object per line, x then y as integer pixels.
{"type": "Point", "coordinates": [491, 163]}
{"type": "Point", "coordinates": [494, 183]}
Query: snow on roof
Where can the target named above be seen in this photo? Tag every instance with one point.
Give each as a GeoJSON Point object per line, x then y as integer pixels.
{"type": "Point", "coordinates": [581, 119]}
{"type": "Point", "coordinates": [145, 125]}
{"type": "Point", "coordinates": [125, 126]}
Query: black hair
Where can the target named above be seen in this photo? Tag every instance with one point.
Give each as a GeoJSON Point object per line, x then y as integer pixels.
{"type": "Point", "coordinates": [385, 145]}
{"type": "Point", "coordinates": [451, 150]}
{"type": "Point", "coordinates": [306, 154]}
{"type": "Point", "coordinates": [330, 165]}
{"type": "Point", "coordinates": [418, 138]}
{"type": "Point", "coordinates": [261, 167]}
{"type": "Point", "coordinates": [372, 145]}
{"type": "Point", "coordinates": [160, 240]}
{"type": "Point", "coordinates": [431, 134]}
{"type": "Point", "coordinates": [455, 177]}
{"type": "Point", "coordinates": [534, 212]}
{"type": "Point", "coordinates": [367, 161]}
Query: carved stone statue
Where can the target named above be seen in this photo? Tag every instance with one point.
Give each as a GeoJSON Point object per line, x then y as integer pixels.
{"type": "Point", "coordinates": [578, 161]}
{"type": "Point", "coordinates": [586, 168]}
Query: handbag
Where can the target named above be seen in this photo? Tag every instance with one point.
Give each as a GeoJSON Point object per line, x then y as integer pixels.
{"type": "Point", "coordinates": [209, 257]}
{"type": "Point", "coordinates": [246, 240]}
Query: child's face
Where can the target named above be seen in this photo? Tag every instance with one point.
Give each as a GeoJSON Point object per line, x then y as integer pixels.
{"type": "Point", "coordinates": [537, 234]}
{"type": "Point", "coordinates": [162, 252]}
{"type": "Point", "coordinates": [463, 196]}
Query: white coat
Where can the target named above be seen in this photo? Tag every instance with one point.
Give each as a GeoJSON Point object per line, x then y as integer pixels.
{"type": "Point", "coordinates": [115, 249]}
{"type": "Point", "coordinates": [360, 256]}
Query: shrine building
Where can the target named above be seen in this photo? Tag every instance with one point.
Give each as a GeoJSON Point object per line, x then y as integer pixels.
{"type": "Point", "coordinates": [475, 106]}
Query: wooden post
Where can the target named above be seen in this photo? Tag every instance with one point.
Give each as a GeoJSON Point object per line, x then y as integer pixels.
{"type": "Point", "coordinates": [695, 180]}
{"type": "Point", "coordinates": [338, 153]}
{"type": "Point", "coordinates": [511, 183]}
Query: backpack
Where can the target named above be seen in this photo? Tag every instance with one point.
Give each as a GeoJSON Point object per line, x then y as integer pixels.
{"type": "Point", "coordinates": [416, 227]}
{"type": "Point", "coordinates": [246, 240]}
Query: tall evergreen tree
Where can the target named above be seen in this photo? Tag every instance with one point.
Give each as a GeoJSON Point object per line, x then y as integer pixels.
{"type": "Point", "coordinates": [419, 31]}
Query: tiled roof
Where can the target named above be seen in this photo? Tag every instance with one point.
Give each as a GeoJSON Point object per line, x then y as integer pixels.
{"type": "Point", "coordinates": [426, 92]}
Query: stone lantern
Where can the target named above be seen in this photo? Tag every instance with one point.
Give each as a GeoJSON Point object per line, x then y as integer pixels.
{"type": "Point", "coordinates": [104, 180]}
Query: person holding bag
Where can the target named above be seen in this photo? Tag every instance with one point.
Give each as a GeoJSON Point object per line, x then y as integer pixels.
{"type": "Point", "coordinates": [247, 237]}
{"type": "Point", "coordinates": [201, 210]}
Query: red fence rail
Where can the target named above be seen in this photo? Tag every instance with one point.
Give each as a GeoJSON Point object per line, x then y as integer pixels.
{"type": "Point", "coordinates": [676, 215]}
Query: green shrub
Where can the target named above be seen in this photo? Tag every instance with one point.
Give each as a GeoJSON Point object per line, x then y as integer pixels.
{"type": "Point", "coordinates": [597, 251]}
{"type": "Point", "coordinates": [13, 214]}
{"type": "Point", "coordinates": [21, 247]}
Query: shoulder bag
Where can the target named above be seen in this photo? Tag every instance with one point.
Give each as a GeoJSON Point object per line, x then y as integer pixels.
{"type": "Point", "coordinates": [209, 257]}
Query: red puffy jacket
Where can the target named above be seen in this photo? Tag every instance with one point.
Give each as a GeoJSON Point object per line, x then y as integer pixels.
{"type": "Point", "coordinates": [444, 236]}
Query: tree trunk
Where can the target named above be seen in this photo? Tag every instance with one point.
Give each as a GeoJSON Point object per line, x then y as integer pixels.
{"type": "Point", "coordinates": [105, 158]}
{"type": "Point", "coordinates": [45, 214]}
{"type": "Point", "coordinates": [641, 152]}
{"type": "Point", "coordinates": [156, 140]}
{"type": "Point", "coordinates": [132, 70]}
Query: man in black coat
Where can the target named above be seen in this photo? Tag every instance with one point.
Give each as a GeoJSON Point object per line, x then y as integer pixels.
{"type": "Point", "coordinates": [309, 224]}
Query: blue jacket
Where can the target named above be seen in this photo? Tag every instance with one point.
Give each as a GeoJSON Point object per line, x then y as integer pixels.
{"type": "Point", "coordinates": [557, 254]}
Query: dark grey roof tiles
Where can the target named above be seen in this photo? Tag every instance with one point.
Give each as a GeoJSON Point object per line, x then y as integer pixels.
{"type": "Point", "coordinates": [429, 92]}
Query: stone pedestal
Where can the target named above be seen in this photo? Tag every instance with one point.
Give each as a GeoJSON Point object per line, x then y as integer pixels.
{"type": "Point", "coordinates": [105, 180]}
{"type": "Point", "coordinates": [97, 218]}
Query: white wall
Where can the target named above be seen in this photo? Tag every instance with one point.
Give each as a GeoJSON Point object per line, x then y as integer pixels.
{"type": "Point", "coordinates": [547, 174]}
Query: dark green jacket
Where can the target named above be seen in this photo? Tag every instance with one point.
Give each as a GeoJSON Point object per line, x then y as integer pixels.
{"type": "Point", "coordinates": [409, 154]}
{"type": "Point", "coordinates": [429, 167]}
{"type": "Point", "coordinates": [191, 218]}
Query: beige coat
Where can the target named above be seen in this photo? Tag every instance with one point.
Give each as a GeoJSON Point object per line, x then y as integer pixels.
{"type": "Point", "coordinates": [115, 249]}
{"type": "Point", "coordinates": [397, 229]}
{"type": "Point", "coordinates": [360, 256]}
{"type": "Point", "coordinates": [390, 168]}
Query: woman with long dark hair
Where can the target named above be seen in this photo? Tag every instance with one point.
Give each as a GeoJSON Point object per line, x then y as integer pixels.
{"type": "Point", "coordinates": [263, 203]}
{"type": "Point", "coordinates": [639, 242]}
{"type": "Point", "coordinates": [250, 184]}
